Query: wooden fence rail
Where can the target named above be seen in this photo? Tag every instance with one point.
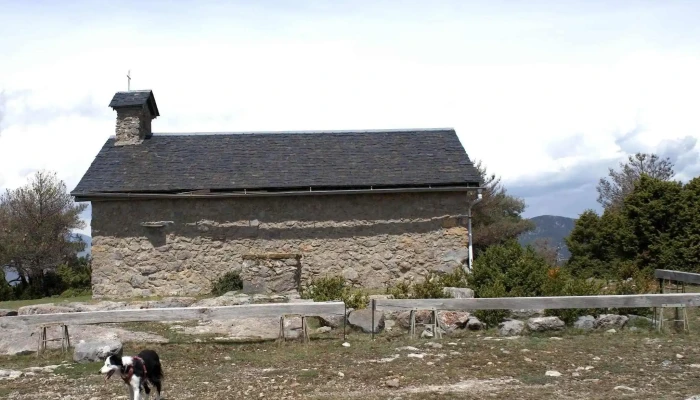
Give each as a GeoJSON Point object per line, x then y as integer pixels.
{"type": "Point", "coordinates": [678, 276]}
{"type": "Point", "coordinates": [184, 313]}
{"type": "Point", "coordinates": [539, 303]}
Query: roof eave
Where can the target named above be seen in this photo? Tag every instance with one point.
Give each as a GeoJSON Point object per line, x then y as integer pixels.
{"type": "Point", "coordinates": [96, 196]}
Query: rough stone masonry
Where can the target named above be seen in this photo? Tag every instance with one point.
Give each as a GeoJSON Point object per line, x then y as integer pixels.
{"type": "Point", "coordinates": [371, 239]}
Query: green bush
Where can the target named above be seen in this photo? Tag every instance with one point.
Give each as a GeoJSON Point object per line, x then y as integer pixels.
{"type": "Point", "coordinates": [401, 290]}
{"type": "Point", "coordinates": [432, 287]}
{"type": "Point", "coordinates": [521, 271]}
{"type": "Point", "coordinates": [334, 288]}
{"type": "Point", "coordinates": [228, 282]}
{"type": "Point", "coordinates": [492, 317]}
{"type": "Point", "coordinates": [561, 283]}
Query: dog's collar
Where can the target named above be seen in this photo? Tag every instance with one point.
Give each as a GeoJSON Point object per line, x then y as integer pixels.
{"type": "Point", "coordinates": [128, 371]}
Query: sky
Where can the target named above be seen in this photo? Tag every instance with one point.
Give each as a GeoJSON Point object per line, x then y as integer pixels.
{"type": "Point", "coordinates": [547, 94]}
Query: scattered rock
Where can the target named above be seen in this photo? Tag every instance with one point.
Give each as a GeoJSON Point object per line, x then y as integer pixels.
{"type": "Point", "coordinates": [324, 329]}
{"type": "Point", "coordinates": [411, 348]}
{"type": "Point", "coordinates": [346, 344]}
{"type": "Point", "coordinates": [694, 365]}
{"type": "Point", "coordinates": [553, 373]}
{"type": "Point", "coordinates": [607, 321]}
{"type": "Point", "coordinates": [96, 350]}
{"type": "Point", "coordinates": [392, 383]}
{"type": "Point", "coordinates": [473, 324]}
{"type": "Point", "coordinates": [543, 324]}
{"type": "Point", "coordinates": [415, 355]}
{"type": "Point", "coordinates": [363, 319]}
{"type": "Point", "coordinates": [340, 374]}
{"type": "Point", "coordinates": [511, 328]}
{"type": "Point", "coordinates": [626, 388]}
{"type": "Point", "coordinates": [585, 323]}
{"type": "Point", "coordinates": [679, 356]}
{"type": "Point", "coordinates": [7, 313]}
{"type": "Point", "coordinates": [459, 293]}
{"type": "Point", "coordinates": [611, 331]}
{"type": "Point", "coordinates": [434, 345]}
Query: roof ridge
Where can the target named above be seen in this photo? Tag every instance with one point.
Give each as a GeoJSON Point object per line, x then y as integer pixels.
{"type": "Point", "coordinates": [307, 131]}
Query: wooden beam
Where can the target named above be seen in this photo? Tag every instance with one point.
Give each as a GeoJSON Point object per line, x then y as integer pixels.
{"type": "Point", "coordinates": [678, 276]}
{"type": "Point", "coordinates": [184, 313]}
{"type": "Point", "coordinates": [540, 303]}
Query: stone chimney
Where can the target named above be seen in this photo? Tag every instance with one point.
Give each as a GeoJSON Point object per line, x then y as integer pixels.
{"type": "Point", "coordinates": [135, 110]}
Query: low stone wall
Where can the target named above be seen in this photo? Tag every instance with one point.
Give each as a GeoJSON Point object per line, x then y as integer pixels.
{"type": "Point", "coordinates": [371, 240]}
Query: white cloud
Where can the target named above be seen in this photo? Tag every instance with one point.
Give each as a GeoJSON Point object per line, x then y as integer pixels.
{"type": "Point", "coordinates": [517, 83]}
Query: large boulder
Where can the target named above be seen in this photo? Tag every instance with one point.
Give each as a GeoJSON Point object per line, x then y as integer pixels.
{"type": "Point", "coordinates": [244, 329]}
{"type": "Point", "coordinates": [584, 322]}
{"type": "Point", "coordinates": [170, 302]}
{"type": "Point", "coordinates": [363, 319]}
{"type": "Point", "coordinates": [511, 328]}
{"type": "Point", "coordinates": [543, 324]}
{"type": "Point", "coordinates": [422, 317]}
{"type": "Point", "coordinates": [225, 300]}
{"type": "Point", "coordinates": [43, 309]}
{"type": "Point", "coordinates": [452, 320]}
{"type": "Point", "coordinates": [333, 321]}
{"type": "Point", "coordinates": [7, 313]}
{"type": "Point", "coordinates": [473, 324]}
{"type": "Point", "coordinates": [19, 338]}
{"type": "Point", "coordinates": [96, 350]}
{"type": "Point", "coordinates": [100, 306]}
{"type": "Point", "coordinates": [610, 321]}
{"type": "Point", "coordinates": [459, 293]}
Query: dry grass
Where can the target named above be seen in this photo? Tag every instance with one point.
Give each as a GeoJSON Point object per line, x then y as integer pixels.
{"type": "Point", "coordinates": [469, 367]}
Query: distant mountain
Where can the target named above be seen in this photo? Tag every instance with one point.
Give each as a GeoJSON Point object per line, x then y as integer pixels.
{"type": "Point", "coordinates": [551, 227]}
{"type": "Point", "coordinates": [10, 275]}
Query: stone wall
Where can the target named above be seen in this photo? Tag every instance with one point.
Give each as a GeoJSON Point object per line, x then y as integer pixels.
{"type": "Point", "coordinates": [372, 240]}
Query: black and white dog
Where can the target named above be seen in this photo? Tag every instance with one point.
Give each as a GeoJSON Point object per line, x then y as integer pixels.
{"type": "Point", "coordinates": [136, 372]}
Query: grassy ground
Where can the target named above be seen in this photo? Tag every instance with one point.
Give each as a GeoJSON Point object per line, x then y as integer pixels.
{"type": "Point", "coordinates": [593, 366]}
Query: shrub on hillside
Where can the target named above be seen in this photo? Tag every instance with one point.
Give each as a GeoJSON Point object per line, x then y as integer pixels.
{"type": "Point", "coordinates": [334, 288]}
{"type": "Point", "coordinates": [431, 287]}
{"type": "Point", "coordinates": [228, 282]}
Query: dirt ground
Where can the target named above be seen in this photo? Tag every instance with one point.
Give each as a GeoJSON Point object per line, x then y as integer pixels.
{"type": "Point", "coordinates": [634, 365]}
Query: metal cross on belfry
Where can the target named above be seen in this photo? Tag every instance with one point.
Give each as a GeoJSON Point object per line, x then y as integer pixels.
{"type": "Point", "coordinates": [128, 84]}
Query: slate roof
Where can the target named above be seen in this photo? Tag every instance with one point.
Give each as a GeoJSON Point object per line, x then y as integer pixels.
{"type": "Point", "coordinates": [171, 163]}
{"type": "Point", "coordinates": [135, 98]}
